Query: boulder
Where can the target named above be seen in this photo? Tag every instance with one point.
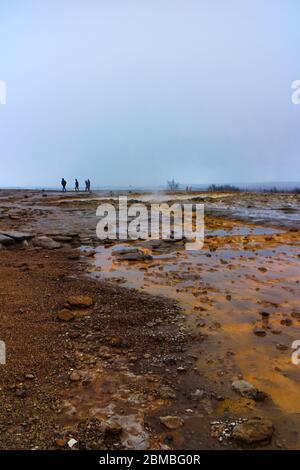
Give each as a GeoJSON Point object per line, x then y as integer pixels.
{"type": "Point", "coordinates": [253, 431]}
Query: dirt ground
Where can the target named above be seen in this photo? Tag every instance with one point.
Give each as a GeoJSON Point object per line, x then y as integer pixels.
{"type": "Point", "coordinates": [141, 364]}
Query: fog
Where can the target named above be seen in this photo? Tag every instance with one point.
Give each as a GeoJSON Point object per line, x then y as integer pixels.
{"type": "Point", "coordinates": [137, 92]}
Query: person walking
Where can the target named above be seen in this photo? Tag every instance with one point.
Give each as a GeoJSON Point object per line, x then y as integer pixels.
{"type": "Point", "coordinates": [88, 185]}
{"type": "Point", "coordinates": [76, 185]}
{"type": "Point", "coordinates": [64, 184]}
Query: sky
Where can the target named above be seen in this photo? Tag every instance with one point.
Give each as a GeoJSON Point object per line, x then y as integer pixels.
{"type": "Point", "coordinates": [137, 92]}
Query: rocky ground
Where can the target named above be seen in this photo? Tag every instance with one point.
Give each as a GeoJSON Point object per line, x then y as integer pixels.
{"type": "Point", "coordinates": [94, 365]}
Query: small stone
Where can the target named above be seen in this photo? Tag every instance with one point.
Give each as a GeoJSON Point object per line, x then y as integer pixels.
{"type": "Point", "coordinates": [166, 393]}
{"type": "Point", "coordinates": [73, 256]}
{"type": "Point", "coordinates": [115, 341]}
{"type": "Point", "coordinates": [246, 389]}
{"type": "Point", "coordinates": [259, 332]}
{"type": "Point", "coordinates": [75, 376]}
{"type": "Point", "coordinates": [198, 394]}
{"type": "Point", "coordinates": [21, 393]}
{"type": "Point", "coordinates": [172, 422]}
{"type": "Point", "coordinates": [281, 347]}
{"type": "Point", "coordinates": [72, 442]}
{"type": "Point", "coordinates": [65, 315]}
{"type": "Point", "coordinates": [61, 442]}
{"type": "Point", "coordinates": [265, 314]}
{"type": "Point", "coordinates": [29, 376]}
{"type": "Point", "coordinates": [80, 301]}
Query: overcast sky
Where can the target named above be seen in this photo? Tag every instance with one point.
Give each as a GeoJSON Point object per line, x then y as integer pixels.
{"type": "Point", "coordinates": [140, 91]}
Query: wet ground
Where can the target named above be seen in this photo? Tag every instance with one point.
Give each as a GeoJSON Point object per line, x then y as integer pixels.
{"type": "Point", "coordinates": [240, 313]}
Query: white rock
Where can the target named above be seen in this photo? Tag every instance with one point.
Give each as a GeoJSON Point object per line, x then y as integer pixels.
{"type": "Point", "coordinates": [72, 442]}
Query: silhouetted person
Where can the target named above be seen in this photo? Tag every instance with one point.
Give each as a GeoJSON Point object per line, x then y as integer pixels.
{"type": "Point", "coordinates": [88, 185]}
{"type": "Point", "coordinates": [64, 184]}
{"type": "Point", "coordinates": [76, 185]}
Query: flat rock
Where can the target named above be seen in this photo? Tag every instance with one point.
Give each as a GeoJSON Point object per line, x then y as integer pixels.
{"type": "Point", "coordinates": [18, 236]}
{"type": "Point", "coordinates": [172, 422]}
{"type": "Point", "coordinates": [125, 251]}
{"type": "Point", "coordinates": [254, 430]}
{"type": "Point", "coordinates": [80, 301]}
{"type": "Point", "coordinates": [134, 256]}
{"type": "Point", "coordinates": [62, 238]}
{"type": "Point", "coordinates": [46, 242]}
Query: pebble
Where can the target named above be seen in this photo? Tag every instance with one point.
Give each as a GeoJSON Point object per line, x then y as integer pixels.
{"type": "Point", "coordinates": [72, 442]}
{"type": "Point", "coordinates": [75, 376]}
{"type": "Point", "coordinates": [29, 376]}
{"type": "Point", "coordinates": [65, 315]}
{"type": "Point", "coordinates": [259, 332]}
{"type": "Point", "coordinates": [80, 301]}
{"type": "Point", "coordinates": [281, 347]}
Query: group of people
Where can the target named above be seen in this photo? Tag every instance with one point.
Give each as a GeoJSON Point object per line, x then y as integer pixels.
{"type": "Point", "coordinates": [64, 185]}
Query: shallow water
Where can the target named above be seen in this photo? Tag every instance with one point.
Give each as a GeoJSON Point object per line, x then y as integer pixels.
{"type": "Point", "coordinates": [223, 293]}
